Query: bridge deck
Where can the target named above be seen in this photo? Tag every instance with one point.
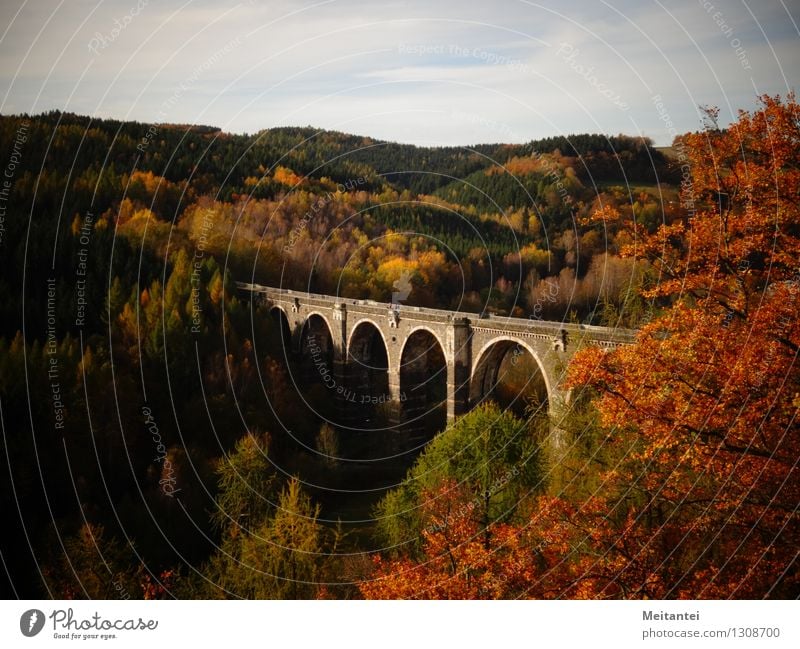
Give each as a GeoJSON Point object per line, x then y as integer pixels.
{"type": "Point", "coordinates": [477, 321]}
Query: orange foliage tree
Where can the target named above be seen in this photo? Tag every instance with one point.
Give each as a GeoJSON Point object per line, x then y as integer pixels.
{"type": "Point", "coordinates": [461, 559]}
{"type": "Point", "coordinates": [708, 395]}
{"type": "Point", "coordinates": [699, 415]}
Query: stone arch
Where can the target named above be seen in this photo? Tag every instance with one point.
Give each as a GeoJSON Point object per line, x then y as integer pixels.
{"type": "Point", "coordinates": [322, 317]}
{"type": "Point", "coordinates": [424, 328]}
{"type": "Point", "coordinates": [316, 346]}
{"type": "Point", "coordinates": [367, 368]}
{"type": "Point", "coordinates": [502, 352]}
{"type": "Point", "coordinates": [316, 324]}
{"type": "Point", "coordinates": [279, 317]}
{"type": "Point", "coordinates": [361, 322]}
{"type": "Point", "coordinates": [423, 380]}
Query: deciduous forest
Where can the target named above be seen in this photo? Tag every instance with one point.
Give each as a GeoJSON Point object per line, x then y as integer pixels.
{"type": "Point", "coordinates": [157, 437]}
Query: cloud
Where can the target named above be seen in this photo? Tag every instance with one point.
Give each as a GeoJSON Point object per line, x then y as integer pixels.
{"type": "Point", "coordinates": [399, 71]}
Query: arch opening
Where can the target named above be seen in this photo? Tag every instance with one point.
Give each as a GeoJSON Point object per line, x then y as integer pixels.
{"type": "Point", "coordinates": [281, 322]}
{"type": "Point", "coordinates": [508, 373]}
{"type": "Point", "coordinates": [367, 390]}
{"type": "Point", "coordinates": [423, 383]}
{"type": "Point", "coordinates": [316, 363]}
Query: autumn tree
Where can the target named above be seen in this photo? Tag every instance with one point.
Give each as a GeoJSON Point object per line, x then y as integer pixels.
{"type": "Point", "coordinates": [489, 454]}
{"type": "Point", "coordinates": [92, 565]}
{"type": "Point", "coordinates": [690, 438]}
{"type": "Point", "coordinates": [287, 552]}
{"type": "Point", "coordinates": [272, 543]}
{"type": "Point", "coordinates": [705, 503]}
{"type": "Point", "coordinates": [248, 484]}
{"type": "Point", "coordinates": [458, 558]}
{"type": "Point", "coordinates": [461, 558]}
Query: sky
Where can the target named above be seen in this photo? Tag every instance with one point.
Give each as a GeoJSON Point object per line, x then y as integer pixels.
{"type": "Point", "coordinates": [432, 72]}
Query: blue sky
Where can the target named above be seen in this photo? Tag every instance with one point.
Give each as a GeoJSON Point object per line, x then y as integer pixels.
{"type": "Point", "coordinates": [428, 72]}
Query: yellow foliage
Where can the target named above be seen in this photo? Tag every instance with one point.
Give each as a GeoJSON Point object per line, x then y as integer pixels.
{"type": "Point", "coordinates": [143, 215]}
{"type": "Point", "coordinates": [150, 181]}
{"type": "Point", "coordinates": [76, 224]}
{"type": "Point", "coordinates": [533, 255]}
{"type": "Point", "coordinates": [286, 176]}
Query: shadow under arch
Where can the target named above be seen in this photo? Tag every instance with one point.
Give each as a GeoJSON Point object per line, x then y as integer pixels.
{"type": "Point", "coordinates": [509, 372]}
{"type": "Point", "coordinates": [423, 382]}
{"type": "Point", "coordinates": [281, 320]}
{"type": "Point", "coordinates": [316, 361]}
{"type": "Point", "coordinates": [367, 391]}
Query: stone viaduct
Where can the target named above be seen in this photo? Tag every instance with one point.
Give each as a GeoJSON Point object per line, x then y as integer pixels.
{"type": "Point", "coordinates": [383, 353]}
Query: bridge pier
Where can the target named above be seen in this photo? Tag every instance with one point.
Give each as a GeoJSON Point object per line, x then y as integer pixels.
{"type": "Point", "coordinates": [339, 336]}
{"type": "Point", "coordinates": [459, 367]}
{"type": "Point", "coordinates": [394, 406]}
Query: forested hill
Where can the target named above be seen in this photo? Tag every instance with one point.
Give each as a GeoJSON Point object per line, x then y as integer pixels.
{"type": "Point", "coordinates": [483, 226]}
{"type": "Point", "coordinates": [215, 159]}
{"type": "Point", "coordinates": [121, 243]}
{"type": "Point", "coordinates": [153, 416]}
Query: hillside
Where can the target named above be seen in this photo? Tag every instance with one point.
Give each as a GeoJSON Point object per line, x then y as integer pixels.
{"type": "Point", "coordinates": [504, 214]}
{"type": "Point", "coordinates": [148, 404]}
{"type": "Point", "coordinates": [122, 242]}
